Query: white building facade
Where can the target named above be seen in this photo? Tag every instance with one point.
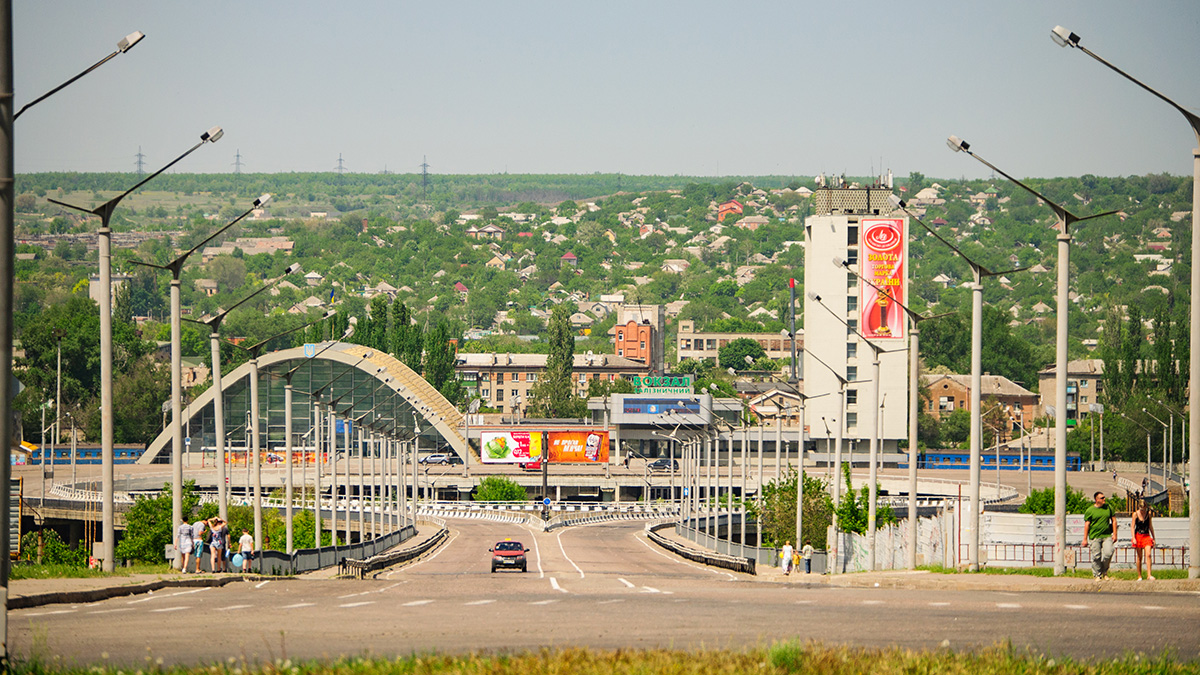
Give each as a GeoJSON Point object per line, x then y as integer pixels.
{"type": "Point", "coordinates": [836, 231]}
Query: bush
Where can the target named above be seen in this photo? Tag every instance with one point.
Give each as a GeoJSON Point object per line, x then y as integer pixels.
{"type": "Point", "coordinates": [54, 550]}
{"type": "Point", "coordinates": [499, 489]}
{"type": "Point", "coordinates": [1041, 502]}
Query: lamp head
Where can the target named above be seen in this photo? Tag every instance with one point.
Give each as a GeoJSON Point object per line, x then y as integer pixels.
{"type": "Point", "coordinates": [839, 261]}
{"type": "Point", "coordinates": [261, 201]}
{"type": "Point", "coordinates": [368, 354]}
{"type": "Point", "coordinates": [812, 295]}
{"type": "Point", "coordinates": [212, 135]}
{"type": "Point", "coordinates": [748, 360]}
{"type": "Point", "coordinates": [329, 314]}
{"type": "Point", "coordinates": [130, 40]}
{"type": "Point", "coordinates": [1063, 37]}
{"type": "Point", "coordinates": [292, 269]}
{"type": "Point", "coordinates": [896, 202]}
{"type": "Point", "coordinates": [784, 333]}
{"type": "Point", "coordinates": [957, 144]}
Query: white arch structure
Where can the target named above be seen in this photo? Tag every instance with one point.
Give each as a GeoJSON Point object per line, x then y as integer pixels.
{"type": "Point", "coordinates": [426, 402]}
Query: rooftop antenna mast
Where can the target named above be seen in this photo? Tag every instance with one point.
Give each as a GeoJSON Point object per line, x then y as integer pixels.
{"type": "Point", "coordinates": [141, 162]}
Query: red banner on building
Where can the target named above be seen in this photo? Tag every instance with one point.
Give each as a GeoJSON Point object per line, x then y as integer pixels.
{"type": "Point", "coordinates": [881, 254]}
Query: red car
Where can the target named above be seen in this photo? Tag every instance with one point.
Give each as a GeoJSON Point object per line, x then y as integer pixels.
{"type": "Point", "coordinates": [535, 465]}
{"type": "Point", "coordinates": [508, 554]}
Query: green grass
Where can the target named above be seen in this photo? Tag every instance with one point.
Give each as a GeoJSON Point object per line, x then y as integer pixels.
{"type": "Point", "coordinates": [31, 571]}
{"type": "Point", "coordinates": [1077, 573]}
{"type": "Point", "coordinates": [779, 659]}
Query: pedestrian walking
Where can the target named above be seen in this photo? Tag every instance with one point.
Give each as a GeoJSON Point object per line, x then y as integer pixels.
{"type": "Point", "coordinates": [198, 531]}
{"type": "Point", "coordinates": [785, 558]}
{"type": "Point", "coordinates": [806, 553]}
{"type": "Point", "coordinates": [1143, 539]}
{"type": "Point", "coordinates": [1099, 533]}
{"type": "Point", "coordinates": [184, 543]}
{"type": "Point", "coordinates": [246, 548]}
{"type": "Point", "coordinates": [218, 543]}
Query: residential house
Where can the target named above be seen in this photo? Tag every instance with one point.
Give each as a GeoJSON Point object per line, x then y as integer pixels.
{"type": "Point", "coordinates": [752, 223]}
{"type": "Point", "coordinates": [1085, 384]}
{"type": "Point", "coordinates": [676, 266]}
{"type": "Point", "coordinates": [568, 258]}
{"type": "Point", "coordinates": [691, 344]}
{"type": "Point", "coordinates": [488, 231]}
{"type": "Point", "coordinates": [496, 263]}
{"type": "Point", "coordinates": [462, 290]}
{"type": "Point", "coordinates": [732, 206]}
{"type": "Point", "coordinates": [949, 392]}
{"type": "Point", "coordinates": [207, 286]}
{"type": "Point", "coordinates": [314, 279]}
{"type": "Point", "coordinates": [503, 381]}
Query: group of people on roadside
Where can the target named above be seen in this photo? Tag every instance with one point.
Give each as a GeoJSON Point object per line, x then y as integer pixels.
{"type": "Point", "coordinates": [192, 538]}
{"type": "Point", "coordinates": [1100, 535]}
{"type": "Point", "coordinates": [789, 558]}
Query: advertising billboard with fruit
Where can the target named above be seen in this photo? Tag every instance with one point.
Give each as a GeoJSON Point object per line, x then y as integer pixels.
{"type": "Point", "coordinates": [517, 447]}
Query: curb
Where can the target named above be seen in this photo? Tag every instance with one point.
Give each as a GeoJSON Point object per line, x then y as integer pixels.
{"type": "Point", "coordinates": [98, 594]}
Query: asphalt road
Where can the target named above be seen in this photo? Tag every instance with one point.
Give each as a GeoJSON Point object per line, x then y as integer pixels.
{"type": "Point", "coordinates": [602, 586]}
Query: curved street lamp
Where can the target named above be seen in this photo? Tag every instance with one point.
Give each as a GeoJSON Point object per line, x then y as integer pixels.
{"type": "Point", "coordinates": [176, 269]}
{"type": "Point", "coordinates": [214, 338]}
{"type": "Point", "coordinates": [125, 44]}
{"type": "Point", "coordinates": [914, 366]}
{"type": "Point", "coordinates": [1065, 38]}
{"type": "Point", "coordinates": [1065, 220]}
{"type": "Point", "coordinates": [105, 211]}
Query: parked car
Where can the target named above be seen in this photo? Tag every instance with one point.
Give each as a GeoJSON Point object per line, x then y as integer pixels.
{"type": "Point", "coordinates": [508, 554]}
{"type": "Point", "coordinates": [535, 465]}
{"type": "Point", "coordinates": [663, 465]}
{"type": "Point", "coordinates": [441, 458]}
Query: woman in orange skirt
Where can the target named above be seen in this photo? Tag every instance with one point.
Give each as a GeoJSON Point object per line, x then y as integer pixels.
{"type": "Point", "coordinates": [1143, 539]}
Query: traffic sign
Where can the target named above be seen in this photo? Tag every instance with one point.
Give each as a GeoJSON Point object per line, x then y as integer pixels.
{"type": "Point", "coordinates": [546, 501]}
{"type": "Point", "coordinates": [187, 441]}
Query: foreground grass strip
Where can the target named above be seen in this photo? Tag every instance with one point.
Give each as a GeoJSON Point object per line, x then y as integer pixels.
{"type": "Point", "coordinates": [1079, 573]}
{"type": "Point", "coordinates": [31, 571]}
{"type": "Point", "coordinates": [781, 658]}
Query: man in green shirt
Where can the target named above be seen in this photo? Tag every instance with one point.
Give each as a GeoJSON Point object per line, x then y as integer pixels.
{"type": "Point", "coordinates": [1099, 535]}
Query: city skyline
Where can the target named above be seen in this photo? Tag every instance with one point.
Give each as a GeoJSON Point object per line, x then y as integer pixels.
{"type": "Point", "coordinates": [698, 89]}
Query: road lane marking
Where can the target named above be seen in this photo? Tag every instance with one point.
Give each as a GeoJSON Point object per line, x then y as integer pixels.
{"type": "Point", "coordinates": [804, 602]}
{"type": "Point", "coordinates": [872, 602]}
{"type": "Point", "coordinates": [627, 584]}
{"type": "Point", "coordinates": [110, 611]}
{"type": "Point", "coordinates": [1152, 607]}
{"type": "Point", "coordinates": [416, 603]}
{"type": "Point", "coordinates": [358, 604]}
{"type": "Point", "coordinates": [537, 551]}
{"type": "Point", "coordinates": [555, 586]}
{"type": "Point", "coordinates": [478, 602]}
{"type": "Point", "coordinates": [436, 553]}
{"type": "Point", "coordinates": [262, 584]}
{"type": "Point", "coordinates": [352, 595]}
{"type": "Point", "coordinates": [939, 604]}
{"type": "Point", "coordinates": [609, 602]}
{"type": "Point", "coordinates": [1076, 606]}
{"type": "Point", "coordinates": [58, 611]}
{"type": "Point", "coordinates": [169, 609]}
{"type": "Point", "coordinates": [647, 589]}
{"type": "Point", "coordinates": [543, 602]}
{"type": "Point", "coordinates": [226, 609]}
{"type": "Point", "coordinates": [1007, 605]}
{"type": "Point", "coordinates": [298, 605]}
{"type": "Point", "coordinates": [564, 552]}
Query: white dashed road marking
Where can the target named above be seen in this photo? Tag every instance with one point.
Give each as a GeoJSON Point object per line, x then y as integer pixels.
{"type": "Point", "coordinates": [609, 602]}
{"type": "Point", "coordinates": [352, 595]}
{"type": "Point", "coordinates": [299, 605]}
{"type": "Point", "coordinates": [479, 602]}
{"type": "Point", "coordinates": [804, 602]}
{"type": "Point", "coordinates": [260, 585]}
{"type": "Point", "coordinates": [627, 584]}
{"type": "Point", "coordinates": [60, 611]}
{"type": "Point", "coordinates": [110, 611]}
{"type": "Point", "coordinates": [939, 604]}
{"type": "Point", "coordinates": [169, 609]}
{"type": "Point", "coordinates": [416, 603]}
{"type": "Point", "coordinates": [543, 602]}
{"type": "Point", "coordinates": [1076, 606]}
{"type": "Point", "coordinates": [1007, 605]}
{"type": "Point", "coordinates": [226, 609]}
{"type": "Point", "coordinates": [1152, 607]}
{"type": "Point", "coordinates": [555, 586]}
{"type": "Point", "coordinates": [872, 602]}
{"type": "Point", "coordinates": [358, 604]}
{"type": "Point", "coordinates": [647, 589]}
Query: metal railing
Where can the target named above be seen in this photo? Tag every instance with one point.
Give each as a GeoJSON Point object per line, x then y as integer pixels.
{"type": "Point", "coordinates": [734, 563]}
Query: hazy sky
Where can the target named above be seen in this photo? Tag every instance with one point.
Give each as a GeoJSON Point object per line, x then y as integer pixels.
{"type": "Point", "coordinates": [647, 87]}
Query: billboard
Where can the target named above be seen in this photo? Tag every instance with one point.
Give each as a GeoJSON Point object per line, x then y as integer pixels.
{"type": "Point", "coordinates": [512, 447]}
{"type": "Point", "coordinates": [882, 252]}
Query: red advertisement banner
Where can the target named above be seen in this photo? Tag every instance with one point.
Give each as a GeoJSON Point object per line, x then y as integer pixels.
{"type": "Point", "coordinates": [882, 262]}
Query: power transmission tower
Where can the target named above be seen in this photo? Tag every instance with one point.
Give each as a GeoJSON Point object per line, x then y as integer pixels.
{"type": "Point", "coordinates": [424, 178]}
{"type": "Point", "coordinates": [341, 167]}
{"type": "Point", "coordinates": [237, 162]}
{"type": "Point", "coordinates": [141, 162]}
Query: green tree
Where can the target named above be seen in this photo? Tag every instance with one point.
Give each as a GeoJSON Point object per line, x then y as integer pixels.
{"type": "Point", "coordinates": [553, 395]}
{"type": "Point", "coordinates": [853, 512]}
{"type": "Point", "coordinates": [148, 526]}
{"type": "Point", "coordinates": [439, 362]}
{"type": "Point", "coordinates": [499, 489]}
{"type": "Point", "coordinates": [138, 396]}
{"type": "Point", "coordinates": [733, 355]}
{"type": "Point", "coordinates": [775, 513]}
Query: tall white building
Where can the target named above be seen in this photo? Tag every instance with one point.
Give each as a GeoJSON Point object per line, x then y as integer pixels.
{"type": "Point", "coordinates": [855, 224]}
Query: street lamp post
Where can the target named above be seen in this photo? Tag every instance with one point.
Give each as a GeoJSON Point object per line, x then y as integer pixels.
{"type": "Point", "coordinates": [1065, 38]}
{"type": "Point", "coordinates": [914, 370]}
{"type": "Point", "coordinates": [214, 338]}
{"type": "Point", "coordinates": [1065, 220]}
{"type": "Point", "coordinates": [105, 212]}
{"type": "Point", "coordinates": [255, 351]}
{"type": "Point", "coordinates": [837, 455]}
{"type": "Point", "coordinates": [176, 269]}
{"type": "Point", "coordinates": [876, 351]}
{"type": "Point", "coordinates": [1164, 455]}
